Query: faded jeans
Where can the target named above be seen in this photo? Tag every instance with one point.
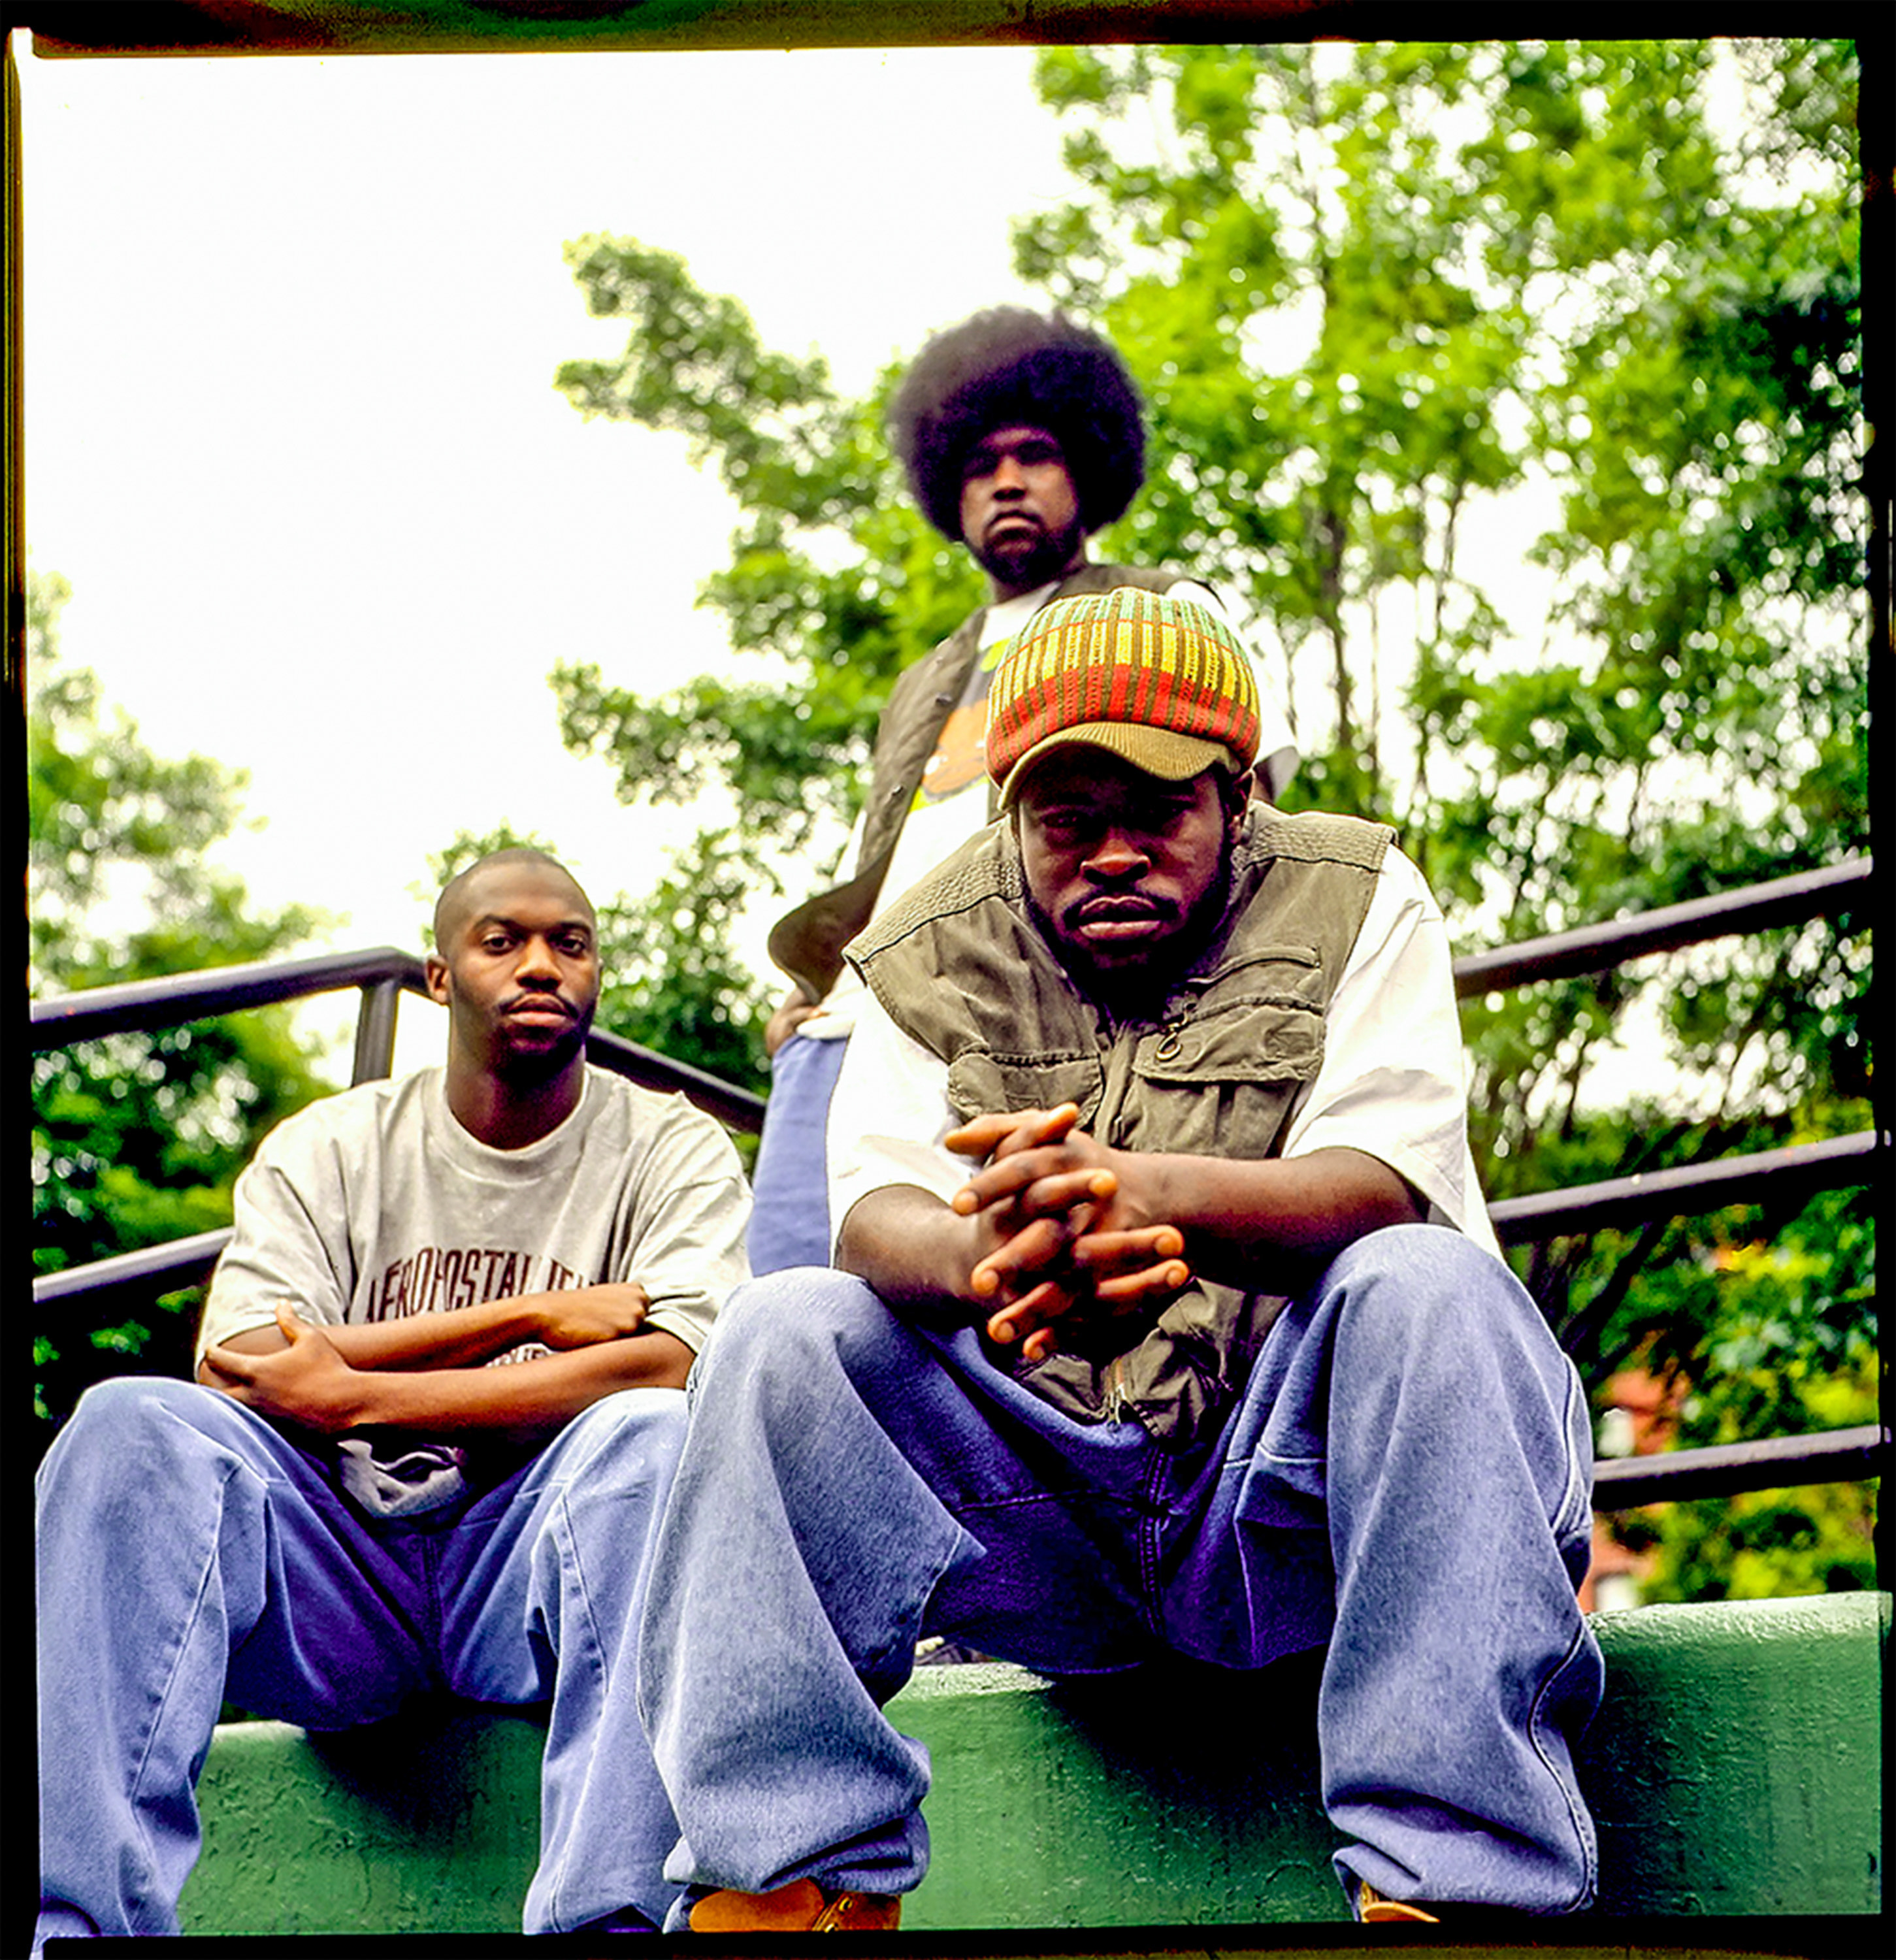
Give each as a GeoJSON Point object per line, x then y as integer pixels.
{"type": "Point", "coordinates": [1406, 1481]}
{"type": "Point", "coordinates": [790, 1187]}
{"type": "Point", "coordinates": [189, 1551]}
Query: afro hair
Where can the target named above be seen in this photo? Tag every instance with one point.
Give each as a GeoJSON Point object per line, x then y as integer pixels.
{"type": "Point", "coordinates": [1009, 364]}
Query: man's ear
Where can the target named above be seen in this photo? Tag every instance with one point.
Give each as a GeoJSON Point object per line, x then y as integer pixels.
{"type": "Point", "coordinates": [436, 967]}
{"type": "Point", "coordinates": [1237, 797]}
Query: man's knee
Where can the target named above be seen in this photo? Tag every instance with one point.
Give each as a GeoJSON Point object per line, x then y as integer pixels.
{"type": "Point", "coordinates": [1429, 1279]}
{"type": "Point", "coordinates": [806, 1310]}
{"type": "Point", "coordinates": [120, 1416]}
{"type": "Point", "coordinates": [1437, 1254]}
{"type": "Point", "coordinates": [790, 1345]}
{"type": "Point", "coordinates": [142, 1440]}
{"type": "Point", "coordinates": [1425, 1305]}
{"type": "Point", "coordinates": [634, 1432]}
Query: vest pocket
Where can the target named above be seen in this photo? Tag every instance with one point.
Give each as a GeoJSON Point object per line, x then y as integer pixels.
{"type": "Point", "coordinates": [1221, 1085]}
{"type": "Point", "coordinates": [1254, 1041]}
{"type": "Point", "coordinates": [979, 1082]}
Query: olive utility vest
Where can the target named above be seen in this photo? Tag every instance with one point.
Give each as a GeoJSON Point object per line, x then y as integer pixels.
{"type": "Point", "coordinates": [959, 966]}
{"type": "Point", "coordinates": [808, 943]}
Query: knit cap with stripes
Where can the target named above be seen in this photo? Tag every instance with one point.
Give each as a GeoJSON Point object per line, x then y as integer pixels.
{"type": "Point", "coordinates": [1160, 682]}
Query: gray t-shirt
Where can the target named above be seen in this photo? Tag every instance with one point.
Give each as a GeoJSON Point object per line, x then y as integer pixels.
{"type": "Point", "coordinates": [375, 1203]}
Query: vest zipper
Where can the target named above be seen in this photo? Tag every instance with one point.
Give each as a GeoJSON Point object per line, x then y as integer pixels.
{"type": "Point", "coordinates": [1115, 1389]}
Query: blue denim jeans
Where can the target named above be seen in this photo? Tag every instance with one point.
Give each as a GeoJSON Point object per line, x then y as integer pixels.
{"type": "Point", "coordinates": [1406, 1482]}
{"type": "Point", "coordinates": [189, 1551]}
{"type": "Point", "coordinates": [790, 1187]}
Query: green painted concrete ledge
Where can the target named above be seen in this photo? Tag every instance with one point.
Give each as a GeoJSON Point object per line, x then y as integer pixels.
{"type": "Point", "coordinates": [1735, 1771]}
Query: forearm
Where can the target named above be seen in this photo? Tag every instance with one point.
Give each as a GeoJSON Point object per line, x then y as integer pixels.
{"type": "Point", "coordinates": [912, 1248]}
{"type": "Point", "coordinates": [462, 1336]}
{"type": "Point", "coordinates": [519, 1402]}
{"type": "Point", "coordinates": [1240, 1217]}
{"type": "Point", "coordinates": [795, 1008]}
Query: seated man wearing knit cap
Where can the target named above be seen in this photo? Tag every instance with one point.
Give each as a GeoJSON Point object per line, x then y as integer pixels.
{"type": "Point", "coordinates": [1168, 1317]}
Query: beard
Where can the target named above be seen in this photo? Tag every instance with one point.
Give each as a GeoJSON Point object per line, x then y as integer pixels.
{"type": "Point", "coordinates": [1138, 988]}
{"type": "Point", "coordinates": [1037, 558]}
{"type": "Point", "coordinates": [528, 1068]}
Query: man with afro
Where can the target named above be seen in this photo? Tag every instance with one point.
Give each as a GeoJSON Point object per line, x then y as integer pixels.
{"type": "Point", "coordinates": [1023, 435]}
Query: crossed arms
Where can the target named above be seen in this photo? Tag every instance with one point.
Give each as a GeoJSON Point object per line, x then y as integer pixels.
{"type": "Point", "coordinates": [427, 1372]}
{"type": "Point", "coordinates": [1054, 1224]}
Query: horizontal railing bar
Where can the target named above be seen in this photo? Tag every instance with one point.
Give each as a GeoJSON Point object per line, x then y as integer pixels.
{"type": "Point", "coordinates": [1593, 948]}
{"type": "Point", "coordinates": [1726, 1470]}
{"type": "Point", "coordinates": [156, 1269]}
{"type": "Point", "coordinates": [740, 1109]}
{"type": "Point", "coordinates": [1841, 1456]}
{"type": "Point", "coordinates": [141, 1005]}
{"type": "Point", "coordinates": [165, 1001]}
{"type": "Point", "coordinates": [144, 1004]}
{"type": "Point", "coordinates": [150, 1270]}
{"type": "Point", "coordinates": [1688, 1189]}
{"type": "Point", "coordinates": [154, 1002]}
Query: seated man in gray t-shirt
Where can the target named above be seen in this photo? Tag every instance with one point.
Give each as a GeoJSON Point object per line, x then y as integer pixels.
{"type": "Point", "coordinates": [350, 1505]}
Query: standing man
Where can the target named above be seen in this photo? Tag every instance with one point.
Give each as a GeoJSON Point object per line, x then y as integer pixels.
{"type": "Point", "coordinates": [1211, 1351]}
{"type": "Point", "coordinates": [1021, 435]}
{"type": "Point", "coordinates": [350, 1506]}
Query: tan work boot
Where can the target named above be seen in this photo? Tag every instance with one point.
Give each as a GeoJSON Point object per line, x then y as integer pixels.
{"type": "Point", "coordinates": [1373, 1909]}
{"type": "Point", "coordinates": [802, 1906]}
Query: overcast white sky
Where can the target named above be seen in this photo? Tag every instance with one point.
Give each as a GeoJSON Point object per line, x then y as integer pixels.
{"type": "Point", "coordinates": [291, 330]}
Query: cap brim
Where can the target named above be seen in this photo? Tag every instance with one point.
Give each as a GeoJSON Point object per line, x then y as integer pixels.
{"type": "Point", "coordinates": [1157, 752]}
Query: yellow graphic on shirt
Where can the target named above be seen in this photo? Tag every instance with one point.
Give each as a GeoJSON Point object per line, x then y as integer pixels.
{"type": "Point", "coordinates": [961, 751]}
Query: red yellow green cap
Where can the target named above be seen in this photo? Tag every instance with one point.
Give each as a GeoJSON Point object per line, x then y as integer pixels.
{"type": "Point", "coordinates": [1161, 682]}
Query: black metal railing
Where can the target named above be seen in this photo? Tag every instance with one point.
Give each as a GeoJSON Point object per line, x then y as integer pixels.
{"type": "Point", "coordinates": [1689, 1188]}
{"type": "Point", "coordinates": [384, 973]}
{"type": "Point", "coordinates": [1598, 949]}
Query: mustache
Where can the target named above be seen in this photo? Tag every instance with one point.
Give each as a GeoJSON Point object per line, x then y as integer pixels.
{"type": "Point", "coordinates": [542, 1001]}
{"type": "Point", "coordinates": [1117, 905]}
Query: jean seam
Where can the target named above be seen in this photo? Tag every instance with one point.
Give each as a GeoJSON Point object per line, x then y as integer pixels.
{"type": "Point", "coordinates": [559, 1529]}
{"type": "Point", "coordinates": [1150, 1528]}
{"type": "Point", "coordinates": [1578, 1815]}
{"type": "Point", "coordinates": [1026, 1501]}
{"type": "Point", "coordinates": [186, 1631]}
{"type": "Point", "coordinates": [1576, 1492]}
{"type": "Point", "coordinates": [898, 1642]}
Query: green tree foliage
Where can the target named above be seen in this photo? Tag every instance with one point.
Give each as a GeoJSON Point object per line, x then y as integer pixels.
{"type": "Point", "coordinates": [136, 1138]}
{"type": "Point", "coordinates": [1381, 301]}
{"type": "Point", "coordinates": [834, 579]}
{"type": "Point", "coordinates": [1767, 1544]}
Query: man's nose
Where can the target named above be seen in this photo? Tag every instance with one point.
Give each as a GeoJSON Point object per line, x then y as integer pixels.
{"type": "Point", "coordinates": [1119, 854]}
{"type": "Point", "coordinates": [1009, 476]}
{"type": "Point", "coordinates": [536, 965]}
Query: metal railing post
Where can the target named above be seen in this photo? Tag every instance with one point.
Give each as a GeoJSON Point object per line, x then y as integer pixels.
{"type": "Point", "coordinates": [375, 1031]}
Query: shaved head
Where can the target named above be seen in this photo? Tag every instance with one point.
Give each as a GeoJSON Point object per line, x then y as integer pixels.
{"type": "Point", "coordinates": [460, 897]}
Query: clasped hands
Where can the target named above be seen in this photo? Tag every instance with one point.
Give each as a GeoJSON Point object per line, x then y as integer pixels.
{"type": "Point", "coordinates": [1065, 1225]}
